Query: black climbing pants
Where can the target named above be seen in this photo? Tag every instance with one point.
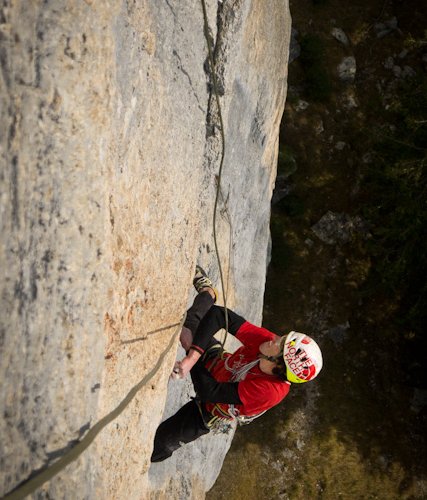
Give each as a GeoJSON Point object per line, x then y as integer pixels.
{"type": "Point", "coordinates": [201, 305]}
{"type": "Point", "coordinates": [188, 423]}
{"type": "Point", "coordinates": [185, 426]}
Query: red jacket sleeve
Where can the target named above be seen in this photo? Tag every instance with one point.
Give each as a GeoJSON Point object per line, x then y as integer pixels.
{"type": "Point", "coordinates": [258, 395]}
{"type": "Point", "coordinates": [249, 334]}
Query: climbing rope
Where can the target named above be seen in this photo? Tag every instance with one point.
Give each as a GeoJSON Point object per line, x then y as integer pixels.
{"type": "Point", "coordinates": [221, 165]}
{"type": "Point", "coordinates": [30, 485]}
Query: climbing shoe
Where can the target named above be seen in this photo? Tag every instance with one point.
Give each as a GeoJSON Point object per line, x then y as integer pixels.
{"type": "Point", "coordinates": [201, 280]}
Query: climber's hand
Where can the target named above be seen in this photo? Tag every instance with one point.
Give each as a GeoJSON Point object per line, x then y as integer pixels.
{"type": "Point", "coordinates": [176, 372]}
{"type": "Point", "coordinates": [183, 367]}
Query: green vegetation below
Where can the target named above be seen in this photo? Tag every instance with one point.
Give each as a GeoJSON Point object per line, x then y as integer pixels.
{"type": "Point", "coordinates": [395, 196]}
{"type": "Point", "coordinates": [358, 431]}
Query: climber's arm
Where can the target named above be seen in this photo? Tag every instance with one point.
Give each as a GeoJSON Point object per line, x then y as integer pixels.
{"type": "Point", "coordinates": [212, 322]}
{"type": "Point", "coordinates": [210, 390]}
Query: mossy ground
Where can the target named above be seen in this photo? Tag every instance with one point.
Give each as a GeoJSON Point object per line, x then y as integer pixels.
{"type": "Point", "coordinates": [355, 433]}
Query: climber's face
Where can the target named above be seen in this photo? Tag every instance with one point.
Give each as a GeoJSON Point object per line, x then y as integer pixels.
{"type": "Point", "coordinates": [272, 347]}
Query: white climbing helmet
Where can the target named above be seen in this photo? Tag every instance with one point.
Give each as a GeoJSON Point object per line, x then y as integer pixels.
{"type": "Point", "coordinates": [302, 356]}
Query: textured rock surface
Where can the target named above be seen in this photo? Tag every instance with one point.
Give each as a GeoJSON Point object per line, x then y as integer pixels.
{"type": "Point", "coordinates": [109, 155]}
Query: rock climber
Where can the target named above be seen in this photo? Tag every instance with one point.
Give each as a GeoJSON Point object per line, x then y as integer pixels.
{"type": "Point", "coordinates": [239, 386]}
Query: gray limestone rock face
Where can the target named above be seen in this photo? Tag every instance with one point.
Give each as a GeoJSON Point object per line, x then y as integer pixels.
{"type": "Point", "coordinates": [110, 151]}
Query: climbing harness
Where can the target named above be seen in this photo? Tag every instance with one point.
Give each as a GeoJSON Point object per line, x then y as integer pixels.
{"type": "Point", "coordinates": [219, 419]}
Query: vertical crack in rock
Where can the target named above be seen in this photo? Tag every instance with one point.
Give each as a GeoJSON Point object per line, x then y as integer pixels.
{"type": "Point", "coordinates": [181, 68]}
{"type": "Point", "coordinates": [229, 17]}
{"type": "Point", "coordinates": [14, 191]}
{"type": "Point", "coordinates": [171, 8]}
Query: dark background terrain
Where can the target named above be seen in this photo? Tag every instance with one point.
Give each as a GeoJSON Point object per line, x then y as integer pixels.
{"type": "Point", "coordinates": [349, 263]}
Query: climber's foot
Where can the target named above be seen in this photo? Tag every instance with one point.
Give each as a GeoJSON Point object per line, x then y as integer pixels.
{"type": "Point", "coordinates": [202, 283]}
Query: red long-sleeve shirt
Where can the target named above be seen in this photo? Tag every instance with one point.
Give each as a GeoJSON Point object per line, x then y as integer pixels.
{"type": "Point", "coordinates": [257, 391]}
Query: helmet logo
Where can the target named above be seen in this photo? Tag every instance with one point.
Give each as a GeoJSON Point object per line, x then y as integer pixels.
{"type": "Point", "coordinates": [298, 362]}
